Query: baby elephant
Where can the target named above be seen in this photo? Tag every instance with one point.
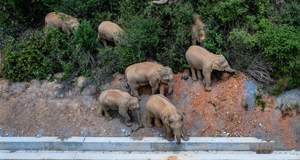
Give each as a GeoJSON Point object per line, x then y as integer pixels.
{"type": "Point", "coordinates": [198, 32]}
{"type": "Point", "coordinates": [162, 110]}
{"type": "Point", "coordinates": [118, 100]}
{"type": "Point", "coordinates": [200, 59]}
{"type": "Point", "coordinates": [60, 20]}
{"type": "Point", "coordinates": [108, 31]}
{"type": "Point", "coordinates": [141, 74]}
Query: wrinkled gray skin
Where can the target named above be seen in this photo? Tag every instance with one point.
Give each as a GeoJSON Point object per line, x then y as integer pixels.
{"type": "Point", "coordinates": [141, 74]}
{"type": "Point", "coordinates": [164, 1]}
{"type": "Point", "coordinates": [200, 59]}
{"type": "Point", "coordinates": [60, 20]}
{"type": "Point", "coordinates": [164, 112]}
{"type": "Point", "coordinates": [118, 100]}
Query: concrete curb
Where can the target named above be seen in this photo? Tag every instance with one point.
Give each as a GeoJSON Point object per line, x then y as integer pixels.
{"type": "Point", "coordinates": [130, 144]}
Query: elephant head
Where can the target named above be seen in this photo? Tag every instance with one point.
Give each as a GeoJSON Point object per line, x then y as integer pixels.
{"type": "Point", "coordinates": [72, 23]}
{"type": "Point", "coordinates": [167, 77]}
{"type": "Point", "coordinates": [133, 105]}
{"type": "Point", "coordinates": [175, 122]}
{"type": "Point", "coordinates": [221, 64]}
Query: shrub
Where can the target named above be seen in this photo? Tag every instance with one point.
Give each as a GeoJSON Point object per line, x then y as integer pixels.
{"type": "Point", "coordinates": [24, 59]}
{"type": "Point", "coordinates": [280, 45]}
{"type": "Point", "coordinates": [85, 36]}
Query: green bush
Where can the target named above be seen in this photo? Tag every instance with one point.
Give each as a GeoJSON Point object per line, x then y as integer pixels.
{"type": "Point", "coordinates": [280, 45]}
{"type": "Point", "coordinates": [85, 36]}
{"type": "Point", "coordinates": [24, 59]}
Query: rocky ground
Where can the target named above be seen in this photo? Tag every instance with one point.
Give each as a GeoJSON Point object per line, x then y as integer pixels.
{"type": "Point", "coordinates": [44, 108]}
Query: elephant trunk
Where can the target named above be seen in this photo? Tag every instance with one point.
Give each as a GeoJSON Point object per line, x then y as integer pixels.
{"type": "Point", "coordinates": [228, 69]}
{"type": "Point", "coordinates": [178, 137]}
{"type": "Point", "coordinates": [138, 113]}
{"type": "Point", "coordinates": [170, 86]}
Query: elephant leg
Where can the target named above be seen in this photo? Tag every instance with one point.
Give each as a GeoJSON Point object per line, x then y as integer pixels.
{"type": "Point", "coordinates": [158, 122]}
{"type": "Point", "coordinates": [65, 29]}
{"type": "Point", "coordinates": [135, 92]}
{"type": "Point", "coordinates": [162, 88]}
{"type": "Point", "coordinates": [149, 117]}
{"type": "Point", "coordinates": [100, 112]}
{"type": "Point", "coordinates": [198, 74]}
{"type": "Point", "coordinates": [124, 114]}
{"type": "Point", "coordinates": [154, 85]}
{"type": "Point", "coordinates": [193, 74]}
{"type": "Point", "coordinates": [46, 30]}
{"type": "Point", "coordinates": [106, 114]}
{"type": "Point", "coordinates": [104, 43]}
{"type": "Point", "coordinates": [206, 75]}
{"type": "Point", "coordinates": [185, 136]}
{"type": "Point", "coordinates": [170, 134]}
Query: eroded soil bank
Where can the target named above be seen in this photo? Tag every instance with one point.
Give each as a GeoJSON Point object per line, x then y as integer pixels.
{"type": "Point", "coordinates": [43, 108]}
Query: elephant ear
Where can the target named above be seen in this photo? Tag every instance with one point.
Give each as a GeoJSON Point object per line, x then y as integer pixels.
{"type": "Point", "coordinates": [216, 65]}
{"type": "Point", "coordinates": [166, 120]}
{"type": "Point", "coordinates": [220, 63]}
{"type": "Point", "coordinates": [165, 73]}
{"type": "Point", "coordinates": [130, 103]}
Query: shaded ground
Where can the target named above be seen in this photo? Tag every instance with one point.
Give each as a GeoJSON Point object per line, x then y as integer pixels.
{"type": "Point", "coordinates": [43, 108]}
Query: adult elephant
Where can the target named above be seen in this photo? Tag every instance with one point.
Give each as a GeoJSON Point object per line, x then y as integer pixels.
{"type": "Point", "coordinates": [60, 20]}
{"type": "Point", "coordinates": [109, 31]}
{"type": "Point", "coordinates": [164, 112]}
{"type": "Point", "coordinates": [141, 74]}
{"type": "Point", "coordinates": [200, 59]}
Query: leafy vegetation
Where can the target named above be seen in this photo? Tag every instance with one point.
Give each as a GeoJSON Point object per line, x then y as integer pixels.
{"type": "Point", "coordinates": [258, 37]}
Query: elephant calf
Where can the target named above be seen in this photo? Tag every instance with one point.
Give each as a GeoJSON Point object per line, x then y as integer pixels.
{"type": "Point", "coordinates": [155, 74]}
{"type": "Point", "coordinates": [200, 59]}
{"type": "Point", "coordinates": [163, 111]}
{"type": "Point", "coordinates": [118, 100]}
{"type": "Point", "coordinates": [60, 20]}
{"type": "Point", "coordinates": [198, 32]}
{"type": "Point", "coordinates": [108, 31]}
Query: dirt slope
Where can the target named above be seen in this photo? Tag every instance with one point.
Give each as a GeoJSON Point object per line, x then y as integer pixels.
{"type": "Point", "coordinates": [43, 108]}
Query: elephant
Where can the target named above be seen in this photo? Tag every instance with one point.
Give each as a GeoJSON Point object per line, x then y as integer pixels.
{"type": "Point", "coordinates": [108, 31]}
{"type": "Point", "coordinates": [198, 32]}
{"type": "Point", "coordinates": [60, 20]}
{"type": "Point", "coordinates": [155, 74]}
{"type": "Point", "coordinates": [118, 100]}
{"type": "Point", "coordinates": [164, 112]}
{"type": "Point", "coordinates": [200, 59]}
{"type": "Point", "coordinates": [164, 1]}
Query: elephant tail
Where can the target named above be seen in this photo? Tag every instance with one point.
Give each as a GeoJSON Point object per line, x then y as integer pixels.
{"type": "Point", "coordinates": [98, 37]}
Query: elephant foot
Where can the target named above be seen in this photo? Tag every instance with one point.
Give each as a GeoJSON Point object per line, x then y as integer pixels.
{"type": "Point", "coordinates": [99, 114]}
{"type": "Point", "coordinates": [194, 79]}
{"type": "Point", "coordinates": [141, 126]}
{"type": "Point", "coordinates": [208, 88]}
{"type": "Point", "coordinates": [185, 138]}
{"type": "Point", "coordinates": [158, 123]}
{"type": "Point", "coordinates": [108, 118]}
{"type": "Point", "coordinates": [170, 138]}
{"type": "Point", "coordinates": [149, 125]}
{"type": "Point", "coordinates": [128, 124]}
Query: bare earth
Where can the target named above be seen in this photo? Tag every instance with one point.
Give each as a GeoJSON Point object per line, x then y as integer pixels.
{"type": "Point", "coordinates": [43, 108]}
